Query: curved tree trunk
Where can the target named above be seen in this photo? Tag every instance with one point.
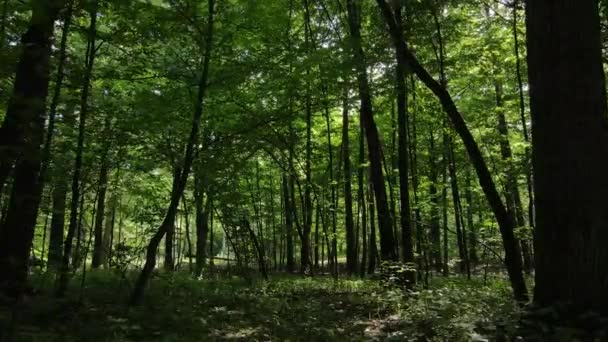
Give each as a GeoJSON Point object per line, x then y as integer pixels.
{"type": "Point", "coordinates": [179, 184]}
{"type": "Point", "coordinates": [513, 260]}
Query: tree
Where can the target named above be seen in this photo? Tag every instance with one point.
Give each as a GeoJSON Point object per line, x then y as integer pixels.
{"type": "Point", "coordinates": [387, 240]}
{"type": "Point", "coordinates": [179, 182]}
{"type": "Point", "coordinates": [570, 154]}
{"type": "Point", "coordinates": [407, 252]}
{"type": "Point", "coordinates": [351, 251]}
{"type": "Point", "coordinates": [513, 260]}
{"type": "Point", "coordinates": [76, 202]}
{"type": "Point", "coordinates": [21, 138]}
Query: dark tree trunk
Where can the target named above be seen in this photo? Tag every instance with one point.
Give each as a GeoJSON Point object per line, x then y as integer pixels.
{"type": "Point", "coordinates": [444, 214]}
{"type": "Point", "coordinates": [522, 115]}
{"type": "Point", "coordinates": [305, 259]}
{"type": "Point", "coordinates": [333, 252]}
{"type": "Point", "coordinates": [351, 251]}
{"type": "Point", "coordinates": [317, 237]}
{"type": "Point", "coordinates": [373, 248]}
{"type": "Point", "coordinates": [290, 262]}
{"type": "Point", "coordinates": [57, 223]}
{"type": "Point", "coordinates": [407, 252]}
{"type": "Point", "coordinates": [361, 195]}
{"type": "Point", "coordinates": [108, 233]}
{"type": "Point", "coordinates": [169, 262]}
{"type": "Point", "coordinates": [202, 219]}
{"type": "Point", "coordinates": [100, 213]}
{"type": "Point", "coordinates": [259, 250]}
{"type": "Point", "coordinates": [514, 204]}
{"type": "Point", "coordinates": [513, 261]}
{"type": "Point", "coordinates": [21, 135]}
{"type": "Point", "coordinates": [570, 154]}
{"type": "Point", "coordinates": [59, 78]}
{"type": "Point", "coordinates": [387, 240]}
{"type": "Point", "coordinates": [435, 232]}
{"type": "Point", "coordinates": [472, 232]}
{"type": "Point", "coordinates": [274, 225]}
{"type": "Point", "coordinates": [455, 200]}
{"type": "Point", "coordinates": [84, 109]}
{"type": "Point", "coordinates": [179, 183]}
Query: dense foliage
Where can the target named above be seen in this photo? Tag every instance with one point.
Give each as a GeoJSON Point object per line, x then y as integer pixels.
{"type": "Point", "coordinates": [237, 142]}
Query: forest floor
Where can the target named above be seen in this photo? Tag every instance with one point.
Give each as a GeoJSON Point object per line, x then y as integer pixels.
{"type": "Point", "coordinates": [179, 308]}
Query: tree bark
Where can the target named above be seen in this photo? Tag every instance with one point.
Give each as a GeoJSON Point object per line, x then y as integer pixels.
{"type": "Point", "coordinates": [373, 247]}
{"type": "Point", "coordinates": [21, 135]}
{"type": "Point", "coordinates": [570, 154]}
{"type": "Point", "coordinates": [387, 240]}
{"type": "Point", "coordinates": [290, 262]}
{"type": "Point", "coordinates": [472, 232]}
{"type": "Point", "coordinates": [57, 223]}
{"type": "Point", "coordinates": [351, 251]}
{"type": "Point", "coordinates": [361, 194]}
{"type": "Point", "coordinates": [435, 232]}
{"type": "Point", "coordinates": [202, 219]}
{"type": "Point", "coordinates": [462, 254]}
{"type": "Point", "coordinates": [100, 213]}
{"type": "Point", "coordinates": [407, 252]}
{"type": "Point", "coordinates": [514, 204]}
{"type": "Point", "coordinates": [305, 258]}
{"type": "Point", "coordinates": [522, 115]}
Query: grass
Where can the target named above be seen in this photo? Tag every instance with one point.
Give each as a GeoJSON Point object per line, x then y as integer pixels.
{"type": "Point", "coordinates": [179, 308]}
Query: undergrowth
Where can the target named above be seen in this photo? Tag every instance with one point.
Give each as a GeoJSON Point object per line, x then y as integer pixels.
{"type": "Point", "coordinates": [179, 308]}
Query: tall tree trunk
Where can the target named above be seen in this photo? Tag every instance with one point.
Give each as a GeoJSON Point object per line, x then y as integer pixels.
{"type": "Point", "coordinates": [169, 262]}
{"type": "Point", "coordinates": [351, 251]}
{"type": "Point", "coordinates": [435, 232]}
{"type": "Point", "coordinates": [387, 240]}
{"type": "Point", "coordinates": [84, 110]}
{"type": "Point", "coordinates": [30, 89]}
{"type": "Point", "coordinates": [203, 213]}
{"type": "Point", "coordinates": [522, 115]}
{"type": "Point", "coordinates": [57, 223]}
{"type": "Point", "coordinates": [59, 78]}
{"type": "Point", "coordinates": [100, 215]}
{"type": "Point", "coordinates": [407, 252]}
{"type": "Point", "coordinates": [108, 232]}
{"type": "Point", "coordinates": [472, 236]}
{"type": "Point", "coordinates": [513, 261]}
{"type": "Point", "coordinates": [514, 204]}
{"type": "Point", "coordinates": [180, 183]}
{"type": "Point", "coordinates": [570, 154]}
{"type": "Point", "coordinates": [451, 163]}
{"type": "Point", "coordinates": [274, 223]}
{"type": "Point", "coordinates": [373, 247]}
{"type": "Point", "coordinates": [20, 138]}
{"type": "Point", "coordinates": [361, 194]}
{"type": "Point", "coordinates": [305, 259]}
{"type": "Point", "coordinates": [317, 236]}
{"type": "Point", "coordinates": [259, 250]}
{"type": "Point", "coordinates": [333, 252]}
{"type": "Point", "coordinates": [444, 212]}
{"type": "Point", "coordinates": [202, 218]}
{"type": "Point", "coordinates": [290, 262]}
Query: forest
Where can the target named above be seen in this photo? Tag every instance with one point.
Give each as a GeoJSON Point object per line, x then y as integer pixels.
{"type": "Point", "coordinates": [303, 170]}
